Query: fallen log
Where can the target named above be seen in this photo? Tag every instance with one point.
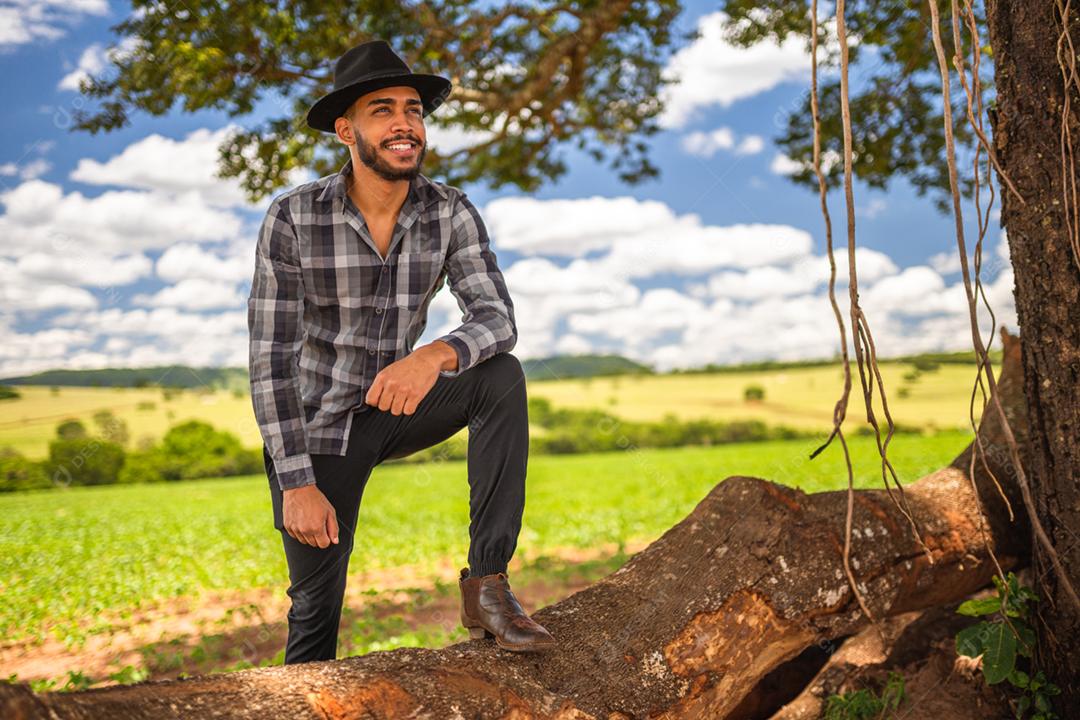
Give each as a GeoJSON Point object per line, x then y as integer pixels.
{"type": "Point", "coordinates": [686, 628]}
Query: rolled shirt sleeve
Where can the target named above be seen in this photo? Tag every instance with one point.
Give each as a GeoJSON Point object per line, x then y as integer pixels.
{"type": "Point", "coordinates": [275, 314]}
{"type": "Point", "coordinates": [488, 326]}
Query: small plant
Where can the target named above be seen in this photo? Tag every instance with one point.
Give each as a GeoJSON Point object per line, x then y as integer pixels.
{"type": "Point", "coordinates": [1004, 637]}
{"type": "Point", "coordinates": [42, 685]}
{"type": "Point", "coordinates": [129, 675]}
{"type": "Point", "coordinates": [864, 704]}
{"type": "Point", "coordinates": [754, 393]}
{"type": "Point", "coordinates": [76, 680]}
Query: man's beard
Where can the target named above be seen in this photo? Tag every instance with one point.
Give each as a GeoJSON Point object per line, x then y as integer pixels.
{"type": "Point", "coordinates": [369, 155]}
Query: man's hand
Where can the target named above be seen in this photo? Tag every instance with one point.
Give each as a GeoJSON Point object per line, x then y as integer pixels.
{"type": "Point", "coordinates": [400, 386]}
{"type": "Point", "coordinates": [309, 517]}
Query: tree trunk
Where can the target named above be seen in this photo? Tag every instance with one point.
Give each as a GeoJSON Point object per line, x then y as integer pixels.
{"type": "Point", "coordinates": [1027, 139]}
{"type": "Point", "coordinates": [686, 628]}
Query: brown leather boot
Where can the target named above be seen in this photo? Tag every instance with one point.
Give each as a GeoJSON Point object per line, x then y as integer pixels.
{"type": "Point", "coordinates": [489, 609]}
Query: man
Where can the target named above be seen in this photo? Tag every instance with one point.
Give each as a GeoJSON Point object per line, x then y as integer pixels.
{"type": "Point", "coordinates": [345, 268]}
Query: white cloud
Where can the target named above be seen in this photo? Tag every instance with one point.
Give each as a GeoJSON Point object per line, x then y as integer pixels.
{"type": "Point", "coordinates": [750, 145]}
{"type": "Point", "coordinates": [187, 260]}
{"type": "Point", "coordinates": [572, 344]}
{"type": "Point", "coordinates": [711, 71]}
{"type": "Point", "coordinates": [643, 237]}
{"type": "Point", "coordinates": [31, 170]}
{"type": "Point", "coordinates": [707, 144]}
{"type": "Point", "coordinates": [175, 166]}
{"type": "Point", "coordinates": [765, 297]}
{"type": "Point", "coordinates": [783, 165]}
{"type": "Point", "coordinates": [91, 270]}
{"type": "Point", "coordinates": [658, 310]}
{"type": "Point", "coordinates": [21, 293]}
{"type": "Point", "coordinates": [993, 260]}
{"type": "Point", "coordinates": [448, 139]}
{"type": "Point", "coordinates": [872, 209]}
{"type": "Point", "coordinates": [40, 215]}
{"type": "Point", "coordinates": [946, 262]}
{"type": "Point", "coordinates": [95, 59]}
{"type": "Point", "coordinates": [25, 21]}
{"type": "Point", "coordinates": [33, 351]}
{"type": "Point", "coordinates": [195, 294]}
{"type": "Point", "coordinates": [161, 336]}
{"type": "Point", "coordinates": [129, 338]}
{"type": "Point", "coordinates": [92, 61]}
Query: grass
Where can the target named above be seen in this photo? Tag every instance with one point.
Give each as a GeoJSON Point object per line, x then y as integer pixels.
{"type": "Point", "coordinates": [72, 559]}
{"type": "Point", "coordinates": [798, 397]}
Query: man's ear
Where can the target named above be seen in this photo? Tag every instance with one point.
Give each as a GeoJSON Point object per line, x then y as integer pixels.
{"type": "Point", "coordinates": [345, 133]}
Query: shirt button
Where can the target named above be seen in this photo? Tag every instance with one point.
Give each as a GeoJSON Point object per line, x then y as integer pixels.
{"type": "Point", "coordinates": [384, 268]}
{"type": "Point", "coordinates": [378, 311]}
{"type": "Point", "coordinates": [370, 352]}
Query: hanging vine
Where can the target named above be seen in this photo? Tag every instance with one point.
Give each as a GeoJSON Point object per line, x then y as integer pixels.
{"type": "Point", "coordinates": [976, 335]}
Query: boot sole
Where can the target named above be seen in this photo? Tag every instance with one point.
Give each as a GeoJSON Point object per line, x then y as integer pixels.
{"type": "Point", "coordinates": [480, 633]}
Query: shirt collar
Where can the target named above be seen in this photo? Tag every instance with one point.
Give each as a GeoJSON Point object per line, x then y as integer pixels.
{"type": "Point", "coordinates": [420, 188]}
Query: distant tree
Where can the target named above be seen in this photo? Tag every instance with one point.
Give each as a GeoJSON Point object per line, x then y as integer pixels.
{"type": "Point", "coordinates": [84, 461]}
{"type": "Point", "coordinates": [20, 473]}
{"type": "Point", "coordinates": [71, 430]}
{"type": "Point", "coordinates": [111, 428]}
{"type": "Point", "coordinates": [754, 393]}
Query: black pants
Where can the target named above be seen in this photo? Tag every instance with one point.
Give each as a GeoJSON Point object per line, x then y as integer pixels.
{"type": "Point", "coordinates": [490, 398]}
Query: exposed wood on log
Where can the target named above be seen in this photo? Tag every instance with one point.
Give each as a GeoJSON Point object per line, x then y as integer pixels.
{"type": "Point", "coordinates": [685, 629]}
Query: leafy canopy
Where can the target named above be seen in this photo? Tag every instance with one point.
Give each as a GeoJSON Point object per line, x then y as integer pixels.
{"type": "Point", "coordinates": [529, 79]}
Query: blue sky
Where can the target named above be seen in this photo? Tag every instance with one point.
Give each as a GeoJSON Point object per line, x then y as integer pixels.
{"type": "Point", "coordinates": [120, 249]}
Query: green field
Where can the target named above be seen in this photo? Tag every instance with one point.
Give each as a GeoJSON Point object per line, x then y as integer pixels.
{"type": "Point", "coordinates": [29, 422]}
{"type": "Point", "coordinates": [72, 558]}
{"type": "Point", "coordinates": [798, 397]}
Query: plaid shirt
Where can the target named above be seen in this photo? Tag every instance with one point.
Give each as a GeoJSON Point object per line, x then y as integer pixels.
{"type": "Point", "coordinates": [327, 312]}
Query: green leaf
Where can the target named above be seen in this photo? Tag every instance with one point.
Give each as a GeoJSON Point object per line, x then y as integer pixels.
{"type": "Point", "coordinates": [982, 606]}
{"type": "Point", "coordinates": [1019, 678]}
{"type": "Point", "coordinates": [969, 641]}
{"type": "Point", "coordinates": [1042, 703]}
{"type": "Point", "coordinates": [1022, 705]}
{"type": "Point", "coordinates": [998, 583]}
{"type": "Point", "coordinates": [1000, 656]}
{"type": "Point", "coordinates": [1026, 638]}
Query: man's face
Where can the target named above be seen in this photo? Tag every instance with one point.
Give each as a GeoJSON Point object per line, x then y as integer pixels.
{"type": "Point", "coordinates": [389, 129]}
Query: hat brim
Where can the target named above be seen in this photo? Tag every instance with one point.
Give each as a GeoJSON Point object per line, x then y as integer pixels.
{"type": "Point", "coordinates": [433, 89]}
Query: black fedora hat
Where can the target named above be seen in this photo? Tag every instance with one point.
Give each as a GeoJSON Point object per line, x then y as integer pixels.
{"type": "Point", "coordinates": [371, 66]}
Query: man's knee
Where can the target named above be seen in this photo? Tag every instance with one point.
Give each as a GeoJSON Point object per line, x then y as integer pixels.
{"type": "Point", "coordinates": [503, 369]}
{"type": "Point", "coordinates": [316, 606]}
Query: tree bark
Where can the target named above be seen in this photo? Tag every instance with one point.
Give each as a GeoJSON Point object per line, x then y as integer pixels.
{"type": "Point", "coordinates": [1027, 140]}
{"type": "Point", "coordinates": [686, 628]}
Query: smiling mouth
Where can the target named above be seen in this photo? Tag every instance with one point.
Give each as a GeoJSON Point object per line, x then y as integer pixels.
{"type": "Point", "coordinates": [401, 148]}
